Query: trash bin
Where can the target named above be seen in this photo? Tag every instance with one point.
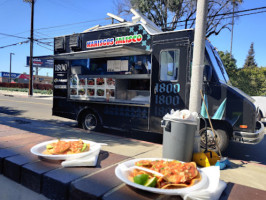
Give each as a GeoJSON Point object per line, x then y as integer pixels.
{"type": "Point", "coordinates": [178, 139]}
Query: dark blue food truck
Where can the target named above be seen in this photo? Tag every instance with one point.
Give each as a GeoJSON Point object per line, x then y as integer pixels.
{"type": "Point", "coordinates": [128, 75]}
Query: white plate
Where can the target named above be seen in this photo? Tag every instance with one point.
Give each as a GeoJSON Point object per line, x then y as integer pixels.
{"type": "Point", "coordinates": [123, 176]}
{"type": "Point", "coordinates": [40, 148]}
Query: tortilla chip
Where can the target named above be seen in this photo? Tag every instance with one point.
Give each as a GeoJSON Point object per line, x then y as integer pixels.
{"type": "Point", "coordinates": [183, 185]}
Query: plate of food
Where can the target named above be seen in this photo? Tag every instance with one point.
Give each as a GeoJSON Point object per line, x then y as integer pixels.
{"type": "Point", "coordinates": [73, 92]}
{"type": "Point", "coordinates": [65, 149]}
{"type": "Point", "coordinates": [100, 81]}
{"type": "Point", "coordinates": [100, 92]}
{"type": "Point", "coordinates": [91, 82]}
{"type": "Point", "coordinates": [82, 81]}
{"type": "Point", "coordinates": [110, 81]}
{"type": "Point", "coordinates": [162, 176]}
{"type": "Point", "coordinates": [90, 92]}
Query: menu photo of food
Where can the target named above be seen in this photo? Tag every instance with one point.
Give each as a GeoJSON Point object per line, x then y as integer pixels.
{"type": "Point", "coordinates": [73, 81]}
{"type": "Point", "coordinates": [111, 93]}
{"type": "Point", "coordinates": [100, 93]}
{"type": "Point", "coordinates": [73, 91]}
{"type": "Point", "coordinates": [90, 82]}
{"type": "Point", "coordinates": [82, 81]}
{"type": "Point", "coordinates": [100, 82]}
{"type": "Point", "coordinates": [91, 92]}
{"type": "Point", "coordinates": [81, 92]}
{"type": "Point", "coordinates": [110, 82]}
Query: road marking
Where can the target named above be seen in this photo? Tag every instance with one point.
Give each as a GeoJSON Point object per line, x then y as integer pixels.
{"type": "Point", "coordinates": [25, 102]}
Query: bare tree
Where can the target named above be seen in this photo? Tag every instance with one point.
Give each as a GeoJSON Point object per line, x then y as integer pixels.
{"type": "Point", "coordinates": [181, 14]}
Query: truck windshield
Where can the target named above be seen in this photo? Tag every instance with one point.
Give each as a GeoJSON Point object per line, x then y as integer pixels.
{"type": "Point", "coordinates": [217, 64]}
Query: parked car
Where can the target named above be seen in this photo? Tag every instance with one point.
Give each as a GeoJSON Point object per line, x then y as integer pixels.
{"type": "Point", "coordinates": [260, 103]}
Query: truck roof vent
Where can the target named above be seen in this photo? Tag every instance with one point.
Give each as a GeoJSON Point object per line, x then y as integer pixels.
{"type": "Point", "coordinates": [75, 42]}
{"type": "Point", "coordinates": [59, 44]}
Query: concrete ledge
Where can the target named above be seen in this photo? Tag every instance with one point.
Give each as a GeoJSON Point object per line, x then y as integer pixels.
{"type": "Point", "coordinates": [32, 174]}
{"type": "Point", "coordinates": [56, 183]}
{"type": "Point", "coordinates": [95, 186]}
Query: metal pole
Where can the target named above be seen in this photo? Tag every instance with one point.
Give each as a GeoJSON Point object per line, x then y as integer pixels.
{"type": "Point", "coordinates": [10, 66]}
{"type": "Point", "coordinates": [31, 50]}
{"type": "Point", "coordinates": [198, 56]}
{"type": "Point", "coordinates": [36, 74]}
{"type": "Point", "coordinates": [232, 32]}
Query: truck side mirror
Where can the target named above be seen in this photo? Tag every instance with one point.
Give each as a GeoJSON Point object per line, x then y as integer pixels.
{"type": "Point", "coordinates": [207, 73]}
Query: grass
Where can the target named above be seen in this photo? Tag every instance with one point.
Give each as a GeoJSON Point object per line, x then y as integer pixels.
{"type": "Point", "coordinates": [26, 90]}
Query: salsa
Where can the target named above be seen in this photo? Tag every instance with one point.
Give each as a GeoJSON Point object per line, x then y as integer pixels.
{"type": "Point", "coordinates": [66, 147]}
{"type": "Point", "coordinates": [175, 174]}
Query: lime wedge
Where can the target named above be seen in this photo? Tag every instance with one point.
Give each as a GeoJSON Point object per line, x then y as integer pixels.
{"type": "Point", "coordinates": [151, 182]}
{"type": "Point", "coordinates": [141, 179]}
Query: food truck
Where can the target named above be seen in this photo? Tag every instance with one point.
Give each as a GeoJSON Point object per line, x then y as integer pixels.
{"type": "Point", "coordinates": [128, 75]}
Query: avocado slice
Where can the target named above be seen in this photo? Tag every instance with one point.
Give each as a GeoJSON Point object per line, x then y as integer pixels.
{"type": "Point", "coordinates": [48, 146]}
{"type": "Point", "coordinates": [84, 147]}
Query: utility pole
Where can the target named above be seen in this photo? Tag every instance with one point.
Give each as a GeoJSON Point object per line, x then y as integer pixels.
{"type": "Point", "coordinates": [198, 56]}
{"type": "Point", "coordinates": [10, 67]}
{"type": "Point", "coordinates": [232, 31]}
{"type": "Point", "coordinates": [31, 48]}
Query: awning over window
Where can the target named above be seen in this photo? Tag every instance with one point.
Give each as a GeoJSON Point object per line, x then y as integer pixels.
{"type": "Point", "coordinates": [99, 53]}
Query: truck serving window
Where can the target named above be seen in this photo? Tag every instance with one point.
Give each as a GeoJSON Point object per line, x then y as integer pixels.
{"type": "Point", "coordinates": [114, 79]}
{"type": "Point", "coordinates": [169, 64]}
{"type": "Point", "coordinates": [110, 66]}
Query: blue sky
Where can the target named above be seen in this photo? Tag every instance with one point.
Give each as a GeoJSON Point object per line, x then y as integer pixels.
{"type": "Point", "coordinates": [15, 20]}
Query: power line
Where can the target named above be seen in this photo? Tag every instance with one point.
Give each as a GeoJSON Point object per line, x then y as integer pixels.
{"type": "Point", "coordinates": [23, 42]}
{"type": "Point", "coordinates": [44, 47]}
{"type": "Point", "coordinates": [229, 17]}
{"type": "Point", "coordinates": [45, 43]}
{"type": "Point", "coordinates": [251, 13]}
{"type": "Point", "coordinates": [240, 11]}
{"type": "Point", "coordinates": [69, 24]}
{"type": "Point", "coordinates": [16, 34]}
{"type": "Point", "coordinates": [9, 35]}
{"type": "Point", "coordinates": [224, 14]}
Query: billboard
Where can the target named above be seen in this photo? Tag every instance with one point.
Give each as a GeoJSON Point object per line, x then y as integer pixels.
{"type": "Point", "coordinates": [6, 75]}
{"type": "Point", "coordinates": [40, 62]}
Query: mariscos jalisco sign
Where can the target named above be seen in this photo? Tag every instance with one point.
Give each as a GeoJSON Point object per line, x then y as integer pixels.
{"type": "Point", "coordinates": [114, 41]}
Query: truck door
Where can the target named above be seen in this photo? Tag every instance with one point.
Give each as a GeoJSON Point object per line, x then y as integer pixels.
{"type": "Point", "coordinates": [169, 63]}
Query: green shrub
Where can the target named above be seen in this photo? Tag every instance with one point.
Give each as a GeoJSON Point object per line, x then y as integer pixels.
{"type": "Point", "coordinates": [26, 90]}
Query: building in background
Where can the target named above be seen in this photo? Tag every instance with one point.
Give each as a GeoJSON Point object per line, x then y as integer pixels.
{"type": "Point", "coordinates": [24, 78]}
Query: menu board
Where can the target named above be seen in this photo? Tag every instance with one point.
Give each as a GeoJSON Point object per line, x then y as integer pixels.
{"type": "Point", "coordinates": [91, 88]}
{"type": "Point", "coordinates": [117, 65]}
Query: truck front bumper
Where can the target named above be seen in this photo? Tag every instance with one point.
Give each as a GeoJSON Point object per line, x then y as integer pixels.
{"type": "Point", "coordinates": [250, 138]}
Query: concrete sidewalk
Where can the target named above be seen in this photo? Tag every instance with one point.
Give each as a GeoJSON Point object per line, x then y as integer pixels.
{"type": "Point", "coordinates": [10, 190]}
{"type": "Point", "coordinates": [25, 95]}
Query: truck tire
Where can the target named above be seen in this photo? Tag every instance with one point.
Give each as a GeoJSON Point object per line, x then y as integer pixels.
{"type": "Point", "coordinates": [222, 139]}
{"type": "Point", "coordinates": [90, 121]}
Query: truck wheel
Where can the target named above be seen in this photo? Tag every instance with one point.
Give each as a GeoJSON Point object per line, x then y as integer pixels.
{"type": "Point", "coordinates": [222, 139]}
{"type": "Point", "coordinates": [90, 121]}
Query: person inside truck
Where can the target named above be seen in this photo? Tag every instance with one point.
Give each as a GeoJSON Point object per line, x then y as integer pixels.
{"type": "Point", "coordinates": [138, 68]}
